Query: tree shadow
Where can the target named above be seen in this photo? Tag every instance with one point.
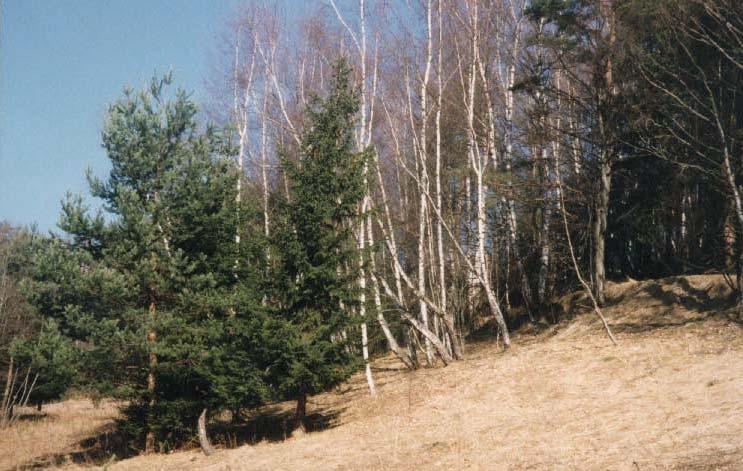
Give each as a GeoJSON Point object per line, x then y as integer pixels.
{"type": "Point", "coordinates": [385, 369]}
{"type": "Point", "coordinates": [518, 324]}
{"type": "Point", "coordinates": [550, 315]}
{"type": "Point", "coordinates": [484, 334]}
{"type": "Point", "coordinates": [678, 296]}
{"type": "Point", "coordinates": [675, 300]}
{"type": "Point", "coordinates": [691, 298]}
{"type": "Point", "coordinates": [109, 444]}
{"type": "Point", "coordinates": [269, 424]}
{"type": "Point", "coordinates": [635, 328]}
{"type": "Point", "coordinates": [106, 445]}
{"type": "Point", "coordinates": [32, 416]}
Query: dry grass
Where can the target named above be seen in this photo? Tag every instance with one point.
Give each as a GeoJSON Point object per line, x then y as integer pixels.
{"type": "Point", "coordinates": [60, 433]}
{"type": "Point", "coordinates": [668, 397]}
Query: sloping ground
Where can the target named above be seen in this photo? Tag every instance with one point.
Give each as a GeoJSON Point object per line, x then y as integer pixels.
{"type": "Point", "coordinates": [670, 396]}
{"type": "Point", "coordinates": [61, 433]}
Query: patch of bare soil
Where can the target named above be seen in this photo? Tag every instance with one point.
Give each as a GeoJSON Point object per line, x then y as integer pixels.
{"type": "Point", "coordinates": [668, 397]}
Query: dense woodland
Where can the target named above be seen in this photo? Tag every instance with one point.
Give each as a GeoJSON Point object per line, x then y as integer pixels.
{"type": "Point", "coordinates": [377, 177]}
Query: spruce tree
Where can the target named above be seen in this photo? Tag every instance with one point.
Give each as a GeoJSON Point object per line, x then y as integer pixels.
{"type": "Point", "coordinates": [317, 249]}
{"type": "Point", "coordinates": [52, 360]}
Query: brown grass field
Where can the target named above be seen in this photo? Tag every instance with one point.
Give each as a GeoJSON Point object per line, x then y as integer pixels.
{"type": "Point", "coordinates": [670, 396]}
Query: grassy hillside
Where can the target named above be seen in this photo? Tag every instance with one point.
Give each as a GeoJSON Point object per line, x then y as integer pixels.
{"type": "Point", "coordinates": [668, 397]}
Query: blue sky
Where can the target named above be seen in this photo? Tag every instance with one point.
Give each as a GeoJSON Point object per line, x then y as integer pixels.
{"type": "Point", "coordinates": [62, 62]}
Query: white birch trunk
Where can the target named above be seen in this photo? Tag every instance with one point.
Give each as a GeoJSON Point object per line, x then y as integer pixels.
{"type": "Point", "coordinates": [439, 106]}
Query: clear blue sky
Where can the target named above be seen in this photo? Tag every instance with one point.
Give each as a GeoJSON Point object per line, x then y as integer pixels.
{"type": "Point", "coordinates": [62, 62]}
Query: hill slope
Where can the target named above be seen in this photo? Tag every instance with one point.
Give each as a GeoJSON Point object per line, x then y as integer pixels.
{"type": "Point", "coordinates": [668, 397]}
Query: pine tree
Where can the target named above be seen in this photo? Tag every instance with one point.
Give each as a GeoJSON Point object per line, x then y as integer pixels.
{"type": "Point", "coordinates": [167, 318]}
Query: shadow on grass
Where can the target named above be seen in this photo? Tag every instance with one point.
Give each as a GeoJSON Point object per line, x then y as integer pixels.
{"type": "Point", "coordinates": [678, 303]}
{"type": "Point", "coordinates": [677, 291]}
{"type": "Point", "coordinates": [105, 446]}
{"type": "Point", "coordinates": [674, 293]}
{"type": "Point", "coordinates": [691, 298]}
{"type": "Point", "coordinates": [32, 416]}
{"type": "Point", "coordinates": [108, 444]}
{"type": "Point", "coordinates": [270, 424]}
{"type": "Point", "coordinates": [635, 328]}
{"type": "Point", "coordinates": [548, 319]}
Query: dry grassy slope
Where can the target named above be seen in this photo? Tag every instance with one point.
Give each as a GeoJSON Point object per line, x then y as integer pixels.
{"type": "Point", "coordinates": [60, 433]}
{"type": "Point", "coordinates": [669, 397]}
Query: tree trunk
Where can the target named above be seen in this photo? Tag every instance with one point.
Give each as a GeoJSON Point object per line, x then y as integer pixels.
{"type": "Point", "coordinates": [439, 232]}
{"type": "Point", "coordinates": [362, 294]}
{"type": "Point", "coordinates": [418, 325]}
{"type": "Point", "coordinates": [576, 267]}
{"type": "Point", "coordinates": [740, 284]}
{"type": "Point", "coordinates": [389, 237]}
{"type": "Point", "coordinates": [299, 415]}
{"type": "Point", "coordinates": [484, 282]}
{"type": "Point", "coordinates": [507, 85]}
{"type": "Point", "coordinates": [367, 363]}
{"type": "Point", "coordinates": [423, 151]}
{"type": "Point", "coordinates": [602, 205]}
{"type": "Point", "coordinates": [391, 340]}
{"type": "Point", "coordinates": [149, 446]}
{"type": "Point", "coordinates": [514, 249]}
{"type": "Point", "coordinates": [544, 258]}
{"type": "Point", "coordinates": [6, 409]}
{"type": "Point", "coordinates": [738, 206]}
{"type": "Point", "coordinates": [206, 447]}
{"type": "Point", "coordinates": [495, 308]}
{"type": "Point", "coordinates": [264, 166]}
{"type": "Point", "coordinates": [599, 230]}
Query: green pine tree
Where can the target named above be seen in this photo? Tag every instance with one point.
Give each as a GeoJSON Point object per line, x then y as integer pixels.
{"type": "Point", "coordinates": [167, 317]}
